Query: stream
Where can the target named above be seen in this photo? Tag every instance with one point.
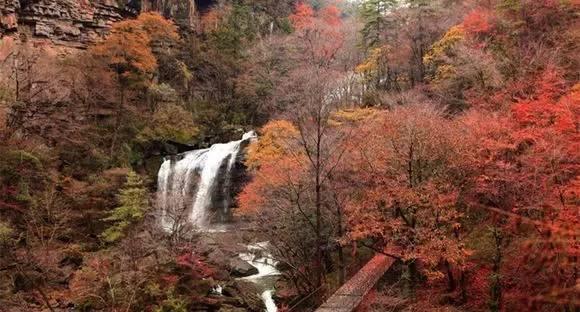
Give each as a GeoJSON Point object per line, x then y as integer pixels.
{"type": "Point", "coordinates": [198, 187]}
{"type": "Point", "coordinates": [259, 257]}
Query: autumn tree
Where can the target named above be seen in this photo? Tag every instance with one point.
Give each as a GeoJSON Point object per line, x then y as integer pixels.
{"type": "Point", "coordinates": [458, 69]}
{"type": "Point", "coordinates": [527, 181]}
{"type": "Point", "coordinates": [127, 53]}
{"type": "Point", "coordinates": [299, 180]}
{"type": "Point", "coordinates": [402, 32]}
{"type": "Point", "coordinates": [318, 38]}
{"type": "Point", "coordinates": [278, 191]}
{"type": "Point", "coordinates": [414, 169]}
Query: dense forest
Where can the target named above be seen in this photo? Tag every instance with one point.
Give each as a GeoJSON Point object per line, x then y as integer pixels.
{"type": "Point", "coordinates": [443, 134]}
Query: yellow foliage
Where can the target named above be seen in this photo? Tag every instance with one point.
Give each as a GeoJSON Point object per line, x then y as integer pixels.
{"type": "Point", "coordinates": [440, 48]}
{"type": "Point", "coordinates": [354, 115]}
{"type": "Point", "coordinates": [275, 140]}
{"type": "Point", "coordinates": [5, 233]}
{"type": "Point", "coordinates": [444, 72]}
{"type": "Point", "coordinates": [170, 122]}
{"type": "Point", "coordinates": [436, 57]}
{"type": "Point", "coordinates": [371, 63]}
{"type": "Point", "coordinates": [127, 49]}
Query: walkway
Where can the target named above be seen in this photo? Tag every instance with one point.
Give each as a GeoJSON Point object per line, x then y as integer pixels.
{"type": "Point", "coordinates": [348, 297]}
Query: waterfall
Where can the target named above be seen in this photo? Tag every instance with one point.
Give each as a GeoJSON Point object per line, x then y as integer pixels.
{"type": "Point", "coordinates": [195, 186]}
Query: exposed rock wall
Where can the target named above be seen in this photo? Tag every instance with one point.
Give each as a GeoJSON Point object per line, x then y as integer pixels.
{"type": "Point", "coordinates": [76, 23]}
{"type": "Point", "coordinates": [180, 11]}
{"type": "Point", "coordinates": [8, 15]}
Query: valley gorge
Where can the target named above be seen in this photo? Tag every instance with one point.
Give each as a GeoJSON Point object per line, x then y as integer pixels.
{"type": "Point", "coordinates": [289, 155]}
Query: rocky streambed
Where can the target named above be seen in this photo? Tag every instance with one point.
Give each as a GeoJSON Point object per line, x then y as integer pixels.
{"type": "Point", "coordinates": [247, 269]}
{"type": "Point", "coordinates": [260, 258]}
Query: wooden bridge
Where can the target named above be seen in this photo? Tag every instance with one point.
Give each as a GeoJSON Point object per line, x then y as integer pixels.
{"type": "Point", "coordinates": [348, 297]}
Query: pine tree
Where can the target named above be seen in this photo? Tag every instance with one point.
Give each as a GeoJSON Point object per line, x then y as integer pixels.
{"type": "Point", "coordinates": [133, 205]}
{"type": "Point", "coordinates": [373, 13]}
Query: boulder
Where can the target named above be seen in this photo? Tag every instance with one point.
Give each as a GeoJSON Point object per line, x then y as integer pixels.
{"type": "Point", "coordinates": [247, 293]}
{"type": "Point", "coordinates": [241, 268]}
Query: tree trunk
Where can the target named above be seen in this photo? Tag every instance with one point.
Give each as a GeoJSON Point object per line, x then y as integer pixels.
{"type": "Point", "coordinates": [451, 285]}
{"type": "Point", "coordinates": [341, 262]}
{"type": "Point", "coordinates": [118, 113]}
{"type": "Point", "coordinates": [341, 265]}
{"type": "Point", "coordinates": [318, 202]}
{"type": "Point", "coordinates": [463, 286]}
{"type": "Point", "coordinates": [409, 277]}
{"type": "Point", "coordinates": [495, 283]}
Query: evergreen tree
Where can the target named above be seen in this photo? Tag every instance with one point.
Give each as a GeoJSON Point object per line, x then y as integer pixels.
{"type": "Point", "coordinates": [374, 15]}
{"type": "Point", "coordinates": [133, 205]}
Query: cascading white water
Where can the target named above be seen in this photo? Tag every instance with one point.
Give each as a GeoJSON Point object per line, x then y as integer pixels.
{"type": "Point", "coordinates": [259, 257]}
{"type": "Point", "coordinates": [269, 301]}
{"type": "Point", "coordinates": [186, 187]}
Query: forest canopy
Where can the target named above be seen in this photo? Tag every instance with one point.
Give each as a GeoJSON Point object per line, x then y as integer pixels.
{"type": "Point", "coordinates": [442, 134]}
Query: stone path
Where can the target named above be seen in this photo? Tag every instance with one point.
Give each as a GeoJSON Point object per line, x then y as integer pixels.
{"type": "Point", "coordinates": [348, 297]}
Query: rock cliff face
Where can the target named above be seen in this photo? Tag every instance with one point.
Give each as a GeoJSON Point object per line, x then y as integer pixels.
{"type": "Point", "coordinates": [76, 23]}
{"type": "Point", "coordinates": [180, 11]}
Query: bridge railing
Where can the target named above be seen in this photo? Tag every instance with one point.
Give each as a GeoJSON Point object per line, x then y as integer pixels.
{"type": "Point", "coordinates": [348, 297]}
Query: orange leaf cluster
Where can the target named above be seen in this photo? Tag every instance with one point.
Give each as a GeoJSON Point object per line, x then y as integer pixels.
{"type": "Point", "coordinates": [127, 50]}
{"type": "Point", "coordinates": [275, 162]}
{"type": "Point", "coordinates": [303, 17]}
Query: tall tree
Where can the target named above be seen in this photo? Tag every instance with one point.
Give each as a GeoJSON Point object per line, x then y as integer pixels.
{"type": "Point", "coordinates": [413, 169]}
{"type": "Point", "coordinates": [127, 53]}
{"type": "Point", "coordinates": [319, 39]}
{"type": "Point", "coordinates": [301, 178]}
{"type": "Point", "coordinates": [375, 16]}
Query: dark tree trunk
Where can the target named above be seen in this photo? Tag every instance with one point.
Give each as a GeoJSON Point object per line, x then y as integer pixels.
{"type": "Point", "coordinates": [451, 284]}
{"type": "Point", "coordinates": [495, 283]}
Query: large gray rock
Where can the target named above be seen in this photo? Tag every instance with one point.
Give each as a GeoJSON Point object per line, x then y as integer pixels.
{"type": "Point", "coordinates": [240, 268]}
{"type": "Point", "coordinates": [247, 293]}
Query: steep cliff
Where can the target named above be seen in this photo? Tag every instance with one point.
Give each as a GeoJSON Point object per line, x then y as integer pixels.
{"type": "Point", "coordinates": [180, 11]}
{"type": "Point", "coordinates": [75, 23]}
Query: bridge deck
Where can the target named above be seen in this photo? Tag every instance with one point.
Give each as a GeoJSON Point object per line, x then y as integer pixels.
{"type": "Point", "coordinates": [348, 297]}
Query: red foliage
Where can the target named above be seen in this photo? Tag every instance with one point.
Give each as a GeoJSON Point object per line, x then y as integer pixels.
{"type": "Point", "coordinates": [330, 15]}
{"type": "Point", "coordinates": [542, 110]}
{"type": "Point", "coordinates": [303, 17]}
{"type": "Point", "coordinates": [528, 165]}
{"type": "Point", "coordinates": [101, 266]}
{"type": "Point", "coordinates": [410, 159]}
{"type": "Point", "coordinates": [278, 173]}
{"type": "Point", "coordinates": [170, 279]}
{"type": "Point", "coordinates": [478, 287]}
{"type": "Point", "coordinates": [477, 22]}
{"type": "Point", "coordinates": [320, 29]}
{"type": "Point", "coordinates": [195, 265]}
